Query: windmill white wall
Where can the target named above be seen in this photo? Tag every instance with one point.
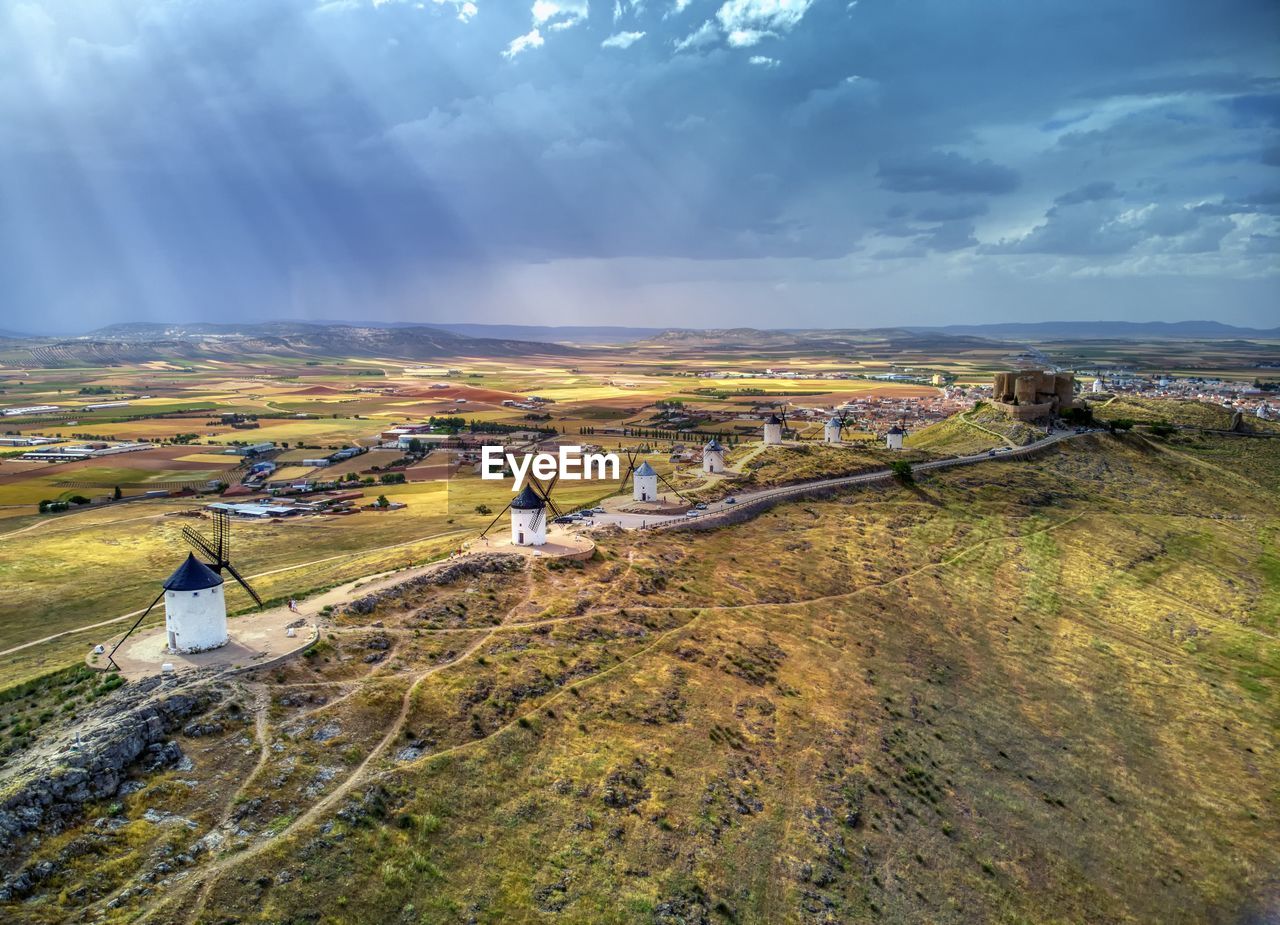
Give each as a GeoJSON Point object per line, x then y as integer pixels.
{"type": "Point", "coordinates": [644, 485]}
{"type": "Point", "coordinates": [713, 458]}
{"type": "Point", "coordinates": [772, 432]}
{"type": "Point", "coordinates": [831, 431]}
{"type": "Point", "coordinates": [195, 620]}
{"type": "Point", "coordinates": [528, 526]}
{"type": "Point", "coordinates": [893, 439]}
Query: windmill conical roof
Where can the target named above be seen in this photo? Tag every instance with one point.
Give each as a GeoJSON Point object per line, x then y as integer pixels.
{"type": "Point", "coordinates": [895, 429]}
{"type": "Point", "coordinates": [645, 469]}
{"type": "Point", "coordinates": [773, 419]}
{"type": "Point", "coordinates": [528, 500]}
{"type": "Point", "coordinates": [833, 422]}
{"type": "Point", "coordinates": [192, 575]}
{"type": "Point", "coordinates": [713, 444]}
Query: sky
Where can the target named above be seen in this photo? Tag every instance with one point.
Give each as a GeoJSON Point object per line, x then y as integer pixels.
{"type": "Point", "coordinates": [696, 163]}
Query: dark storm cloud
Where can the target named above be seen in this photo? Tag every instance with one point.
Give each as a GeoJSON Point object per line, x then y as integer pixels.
{"type": "Point", "coordinates": [948, 173]}
{"type": "Point", "coordinates": [952, 211]}
{"type": "Point", "coordinates": [293, 157]}
{"type": "Point", "coordinates": [1090, 192]}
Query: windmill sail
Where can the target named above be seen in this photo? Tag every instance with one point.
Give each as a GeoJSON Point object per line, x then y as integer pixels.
{"type": "Point", "coordinates": [218, 550]}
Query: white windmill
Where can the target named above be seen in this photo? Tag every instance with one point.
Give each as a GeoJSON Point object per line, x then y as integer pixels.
{"type": "Point", "coordinates": [195, 605]}
{"type": "Point", "coordinates": [529, 514]}
{"type": "Point", "coordinates": [893, 438]}
{"type": "Point", "coordinates": [773, 430]}
{"type": "Point", "coordinates": [713, 457]}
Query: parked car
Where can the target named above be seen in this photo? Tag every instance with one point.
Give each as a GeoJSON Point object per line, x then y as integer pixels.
{"type": "Point", "coordinates": [700, 506]}
{"type": "Point", "coordinates": [730, 500]}
{"type": "Point", "coordinates": [690, 513]}
{"type": "Point", "coordinates": [566, 519]}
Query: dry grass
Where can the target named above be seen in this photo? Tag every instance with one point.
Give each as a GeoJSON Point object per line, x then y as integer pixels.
{"type": "Point", "coordinates": [1051, 698]}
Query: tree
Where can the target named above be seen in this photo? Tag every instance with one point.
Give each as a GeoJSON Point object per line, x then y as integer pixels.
{"type": "Point", "coordinates": [116, 493]}
{"type": "Point", "coordinates": [901, 470]}
{"type": "Point", "coordinates": [483, 509]}
{"type": "Point", "coordinates": [416, 446]}
{"type": "Point", "coordinates": [1120, 424]}
{"type": "Point", "coordinates": [383, 502]}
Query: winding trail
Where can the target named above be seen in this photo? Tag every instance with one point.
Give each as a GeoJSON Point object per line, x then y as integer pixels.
{"type": "Point", "coordinates": [211, 874]}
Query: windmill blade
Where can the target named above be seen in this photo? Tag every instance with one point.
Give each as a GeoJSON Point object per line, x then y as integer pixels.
{"type": "Point", "coordinates": [197, 542]}
{"type": "Point", "coordinates": [538, 520]}
{"type": "Point", "coordinates": [496, 519]}
{"type": "Point", "coordinates": [222, 535]}
{"type": "Point", "coordinates": [136, 624]}
{"type": "Point", "coordinates": [544, 492]}
{"type": "Point", "coordinates": [663, 480]}
{"type": "Point", "coordinates": [244, 584]}
{"type": "Point", "coordinates": [631, 467]}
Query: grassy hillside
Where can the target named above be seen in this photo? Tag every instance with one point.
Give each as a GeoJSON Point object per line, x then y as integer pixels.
{"type": "Point", "coordinates": [1050, 696]}
{"type": "Point", "coordinates": [1175, 411]}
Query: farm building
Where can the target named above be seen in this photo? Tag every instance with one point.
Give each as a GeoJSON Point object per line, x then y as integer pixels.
{"type": "Point", "coordinates": [253, 449]}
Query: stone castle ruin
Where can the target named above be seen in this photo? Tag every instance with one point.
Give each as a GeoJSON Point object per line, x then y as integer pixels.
{"type": "Point", "coordinates": [1033, 395]}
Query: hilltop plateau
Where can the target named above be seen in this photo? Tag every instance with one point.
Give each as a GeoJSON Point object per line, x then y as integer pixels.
{"type": "Point", "coordinates": [1047, 696]}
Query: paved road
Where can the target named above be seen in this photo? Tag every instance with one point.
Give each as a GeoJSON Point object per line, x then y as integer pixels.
{"type": "Point", "coordinates": [749, 498]}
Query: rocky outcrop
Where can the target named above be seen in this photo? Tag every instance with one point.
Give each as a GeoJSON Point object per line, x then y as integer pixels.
{"type": "Point", "coordinates": [448, 572]}
{"type": "Point", "coordinates": [90, 758]}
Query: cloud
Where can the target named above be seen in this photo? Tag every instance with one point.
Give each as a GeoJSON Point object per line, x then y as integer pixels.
{"type": "Point", "coordinates": [465, 10]}
{"type": "Point", "coordinates": [948, 173]}
{"type": "Point", "coordinates": [700, 37]}
{"type": "Point", "coordinates": [761, 16]}
{"type": "Point", "coordinates": [745, 38]}
{"type": "Point", "coordinates": [531, 39]}
{"type": "Point", "coordinates": [1099, 228]}
{"type": "Point", "coordinates": [343, 153]}
{"type": "Point", "coordinates": [622, 40]}
{"type": "Point", "coordinates": [951, 211]}
{"type": "Point", "coordinates": [1090, 192]}
{"type": "Point", "coordinates": [547, 11]}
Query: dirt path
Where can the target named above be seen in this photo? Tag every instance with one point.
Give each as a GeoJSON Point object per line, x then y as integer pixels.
{"type": "Point", "coordinates": [211, 875]}
{"type": "Point", "coordinates": [986, 430]}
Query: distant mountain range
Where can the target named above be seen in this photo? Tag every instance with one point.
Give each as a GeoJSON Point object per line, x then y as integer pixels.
{"type": "Point", "coordinates": [147, 341]}
{"type": "Point", "coordinates": [1107, 330]}
{"type": "Point", "coordinates": [141, 341]}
